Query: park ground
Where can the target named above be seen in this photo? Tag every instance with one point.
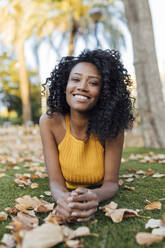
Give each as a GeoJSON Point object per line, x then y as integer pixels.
{"type": "Point", "coordinates": [20, 155]}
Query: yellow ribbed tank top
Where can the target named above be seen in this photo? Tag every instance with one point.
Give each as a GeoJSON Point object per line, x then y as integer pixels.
{"type": "Point", "coordinates": [82, 163]}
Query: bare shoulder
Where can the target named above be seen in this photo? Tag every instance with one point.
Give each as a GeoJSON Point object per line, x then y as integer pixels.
{"type": "Point", "coordinates": [54, 126]}
{"type": "Point", "coordinates": [47, 121]}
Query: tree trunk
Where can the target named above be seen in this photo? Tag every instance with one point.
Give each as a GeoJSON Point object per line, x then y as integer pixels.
{"type": "Point", "coordinates": [72, 36]}
{"type": "Point", "coordinates": [151, 107]}
{"type": "Point", "coordinates": [24, 83]}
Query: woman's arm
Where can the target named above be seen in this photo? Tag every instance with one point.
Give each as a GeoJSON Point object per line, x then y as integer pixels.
{"type": "Point", "coordinates": [113, 154]}
{"type": "Point", "coordinates": [56, 179]}
{"type": "Point", "coordinates": [57, 183]}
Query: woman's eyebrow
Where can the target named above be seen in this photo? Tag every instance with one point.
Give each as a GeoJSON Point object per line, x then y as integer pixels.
{"type": "Point", "coordinates": [88, 76]}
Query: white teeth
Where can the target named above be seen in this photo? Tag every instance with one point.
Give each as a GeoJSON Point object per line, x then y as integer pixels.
{"type": "Point", "coordinates": [80, 97]}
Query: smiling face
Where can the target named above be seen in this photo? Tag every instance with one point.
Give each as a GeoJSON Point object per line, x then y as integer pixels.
{"type": "Point", "coordinates": [83, 87]}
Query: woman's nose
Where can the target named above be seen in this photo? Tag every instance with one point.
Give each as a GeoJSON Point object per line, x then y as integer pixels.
{"type": "Point", "coordinates": [83, 85]}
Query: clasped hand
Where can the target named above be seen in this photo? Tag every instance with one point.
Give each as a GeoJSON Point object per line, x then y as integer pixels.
{"type": "Point", "coordinates": [79, 205]}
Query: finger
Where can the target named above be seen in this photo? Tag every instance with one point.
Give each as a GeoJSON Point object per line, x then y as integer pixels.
{"type": "Point", "coordinates": [84, 214]}
{"type": "Point", "coordinates": [83, 219]}
{"type": "Point", "coordinates": [83, 206]}
{"type": "Point", "coordinates": [86, 197]}
{"type": "Point", "coordinates": [62, 213]}
{"type": "Point", "coordinates": [63, 205]}
{"type": "Point", "coordinates": [81, 190]}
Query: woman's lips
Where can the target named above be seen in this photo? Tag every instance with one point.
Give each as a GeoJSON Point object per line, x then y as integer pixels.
{"type": "Point", "coordinates": [81, 98]}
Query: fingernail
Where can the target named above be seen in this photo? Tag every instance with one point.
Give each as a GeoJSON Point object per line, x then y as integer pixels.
{"type": "Point", "coordinates": [70, 199]}
{"type": "Point", "coordinates": [73, 193]}
{"type": "Point", "coordinates": [70, 204]}
{"type": "Point", "coordinates": [74, 214]}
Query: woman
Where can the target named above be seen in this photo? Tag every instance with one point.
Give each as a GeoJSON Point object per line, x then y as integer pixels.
{"type": "Point", "coordinates": [89, 106]}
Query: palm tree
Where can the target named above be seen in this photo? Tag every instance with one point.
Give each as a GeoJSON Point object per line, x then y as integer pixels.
{"type": "Point", "coordinates": [19, 20]}
{"type": "Point", "coordinates": [76, 20]}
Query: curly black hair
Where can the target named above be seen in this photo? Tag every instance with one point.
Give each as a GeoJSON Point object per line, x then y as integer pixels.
{"type": "Point", "coordinates": [113, 111]}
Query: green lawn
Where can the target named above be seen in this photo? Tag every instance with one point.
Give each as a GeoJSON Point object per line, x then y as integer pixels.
{"type": "Point", "coordinates": [113, 235]}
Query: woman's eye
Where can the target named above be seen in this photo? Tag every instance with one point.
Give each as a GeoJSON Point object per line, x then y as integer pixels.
{"type": "Point", "coordinates": [75, 79]}
{"type": "Point", "coordinates": [93, 83]}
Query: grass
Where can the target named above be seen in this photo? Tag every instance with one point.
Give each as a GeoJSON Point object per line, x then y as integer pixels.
{"type": "Point", "coordinates": [109, 234]}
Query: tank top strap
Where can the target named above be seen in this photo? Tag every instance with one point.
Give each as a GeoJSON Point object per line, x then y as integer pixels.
{"type": "Point", "coordinates": [67, 123]}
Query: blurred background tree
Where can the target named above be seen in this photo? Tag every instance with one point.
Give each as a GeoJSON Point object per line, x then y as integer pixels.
{"type": "Point", "coordinates": [10, 91]}
{"type": "Point", "coordinates": [151, 105]}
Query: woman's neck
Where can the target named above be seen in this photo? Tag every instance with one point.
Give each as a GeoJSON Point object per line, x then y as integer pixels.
{"type": "Point", "coordinates": [78, 124]}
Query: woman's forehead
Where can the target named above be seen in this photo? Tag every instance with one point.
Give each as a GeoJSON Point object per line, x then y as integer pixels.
{"type": "Point", "coordinates": [85, 68]}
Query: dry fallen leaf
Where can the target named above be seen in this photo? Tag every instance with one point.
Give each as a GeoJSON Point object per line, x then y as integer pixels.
{"type": "Point", "coordinates": [2, 175]}
{"type": "Point", "coordinates": [8, 240]}
{"type": "Point", "coordinates": [149, 172]}
{"type": "Point", "coordinates": [34, 186]}
{"type": "Point", "coordinates": [48, 193]}
{"type": "Point", "coordinates": [157, 175]}
{"type": "Point", "coordinates": [153, 223]}
{"type": "Point", "coordinates": [144, 238]}
{"type": "Point", "coordinates": [3, 216]}
{"type": "Point", "coordinates": [44, 236]}
{"type": "Point", "coordinates": [127, 175]}
{"type": "Point", "coordinates": [23, 221]}
{"type": "Point", "coordinates": [131, 170]}
{"type": "Point", "coordinates": [140, 172]}
{"type": "Point", "coordinates": [54, 219]}
{"type": "Point", "coordinates": [121, 182]}
{"type": "Point", "coordinates": [118, 214]}
{"type": "Point", "coordinates": [28, 202]}
{"type": "Point", "coordinates": [129, 180]}
{"type": "Point", "coordinates": [74, 243]}
{"type": "Point", "coordinates": [71, 234]}
{"type": "Point", "coordinates": [159, 231]}
{"type": "Point", "coordinates": [129, 188]}
{"type": "Point", "coordinates": [153, 206]}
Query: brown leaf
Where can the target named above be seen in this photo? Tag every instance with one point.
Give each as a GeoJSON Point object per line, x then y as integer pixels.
{"type": "Point", "coordinates": [118, 214]}
{"type": "Point", "coordinates": [71, 234]}
{"type": "Point", "coordinates": [153, 206]}
{"type": "Point", "coordinates": [28, 202]}
{"type": "Point", "coordinates": [74, 243]}
{"type": "Point", "coordinates": [144, 238]}
{"type": "Point", "coordinates": [48, 193]}
{"type": "Point", "coordinates": [153, 223]}
{"type": "Point", "coordinates": [131, 170]}
{"type": "Point", "coordinates": [34, 186]}
{"type": "Point", "coordinates": [3, 216]}
{"type": "Point", "coordinates": [159, 231]}
{"type": "Point", "coordinates": [158, 175]}
{"type": "Point", "coordinates": [127, 175]}
{"type": "Point", "coordinates": [11, 210]}
{"type": "Point", "coordinates": [23, 221]}
{"type": "Point", "coordinates": [129, 188]}
{"type": "Point", "coordinates": [140, 172]}
{"type": "Point", "coordinates": [121, 182]}
{"type": "Point", "coordinates": [149, 172]}
{"type": "Point", "coordinates": [2, 175]}
{"type": "Point", "coordinates": [128, 180]}
{"type": "Point", "coordinates": [44, 236]}
{"type": "Point", "coordinates": [8, 240]}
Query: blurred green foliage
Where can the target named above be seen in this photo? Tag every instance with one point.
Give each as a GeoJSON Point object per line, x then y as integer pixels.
{"type": "Point", "coordinates": [10, 92]}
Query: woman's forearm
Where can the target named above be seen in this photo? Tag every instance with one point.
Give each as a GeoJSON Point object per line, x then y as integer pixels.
{"type": "Point", "coordinates": [106, 191]}
{"type": "Point", "coordinates": [57, 190]}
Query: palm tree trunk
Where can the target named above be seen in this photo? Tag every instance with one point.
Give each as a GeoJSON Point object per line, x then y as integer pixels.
{"type": "Point", "coordinates": [72, 36]}
{"type": "Point", "coordinates": [24, 83]}
{"type": "Point", "coordinates": [151, 106]}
